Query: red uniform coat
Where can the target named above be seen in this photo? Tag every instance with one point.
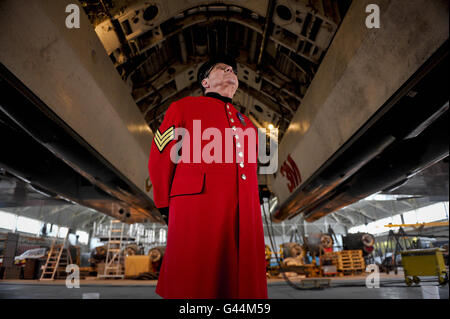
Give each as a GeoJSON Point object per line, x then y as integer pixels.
{"type": "Point", "coordinates": [215, 241]}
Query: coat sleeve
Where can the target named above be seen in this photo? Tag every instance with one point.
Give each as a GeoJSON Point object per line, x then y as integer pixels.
{"type": "Point", "coordinates": [160, 166]}
{"type": "Point", "coordinates": [257, 147]}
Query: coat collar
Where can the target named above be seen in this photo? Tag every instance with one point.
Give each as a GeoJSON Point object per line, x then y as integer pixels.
{"type": "Point", "coordinates": [218, 96]}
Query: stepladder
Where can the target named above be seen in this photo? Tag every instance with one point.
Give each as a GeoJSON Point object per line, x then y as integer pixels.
{"type": "Point", "coordinates": [114, 264]}
{"type": "Point", "coordinates": [58, 259]}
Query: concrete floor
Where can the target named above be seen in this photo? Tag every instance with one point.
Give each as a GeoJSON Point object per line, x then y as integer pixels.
{"type": "Point", "coordinates": [391, 287]}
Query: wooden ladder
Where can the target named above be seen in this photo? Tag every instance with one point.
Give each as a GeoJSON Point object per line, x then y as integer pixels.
{"type": "Point", "coordinates": [56, 260]}
{"type": "Point", "coordinates": [114, 255]}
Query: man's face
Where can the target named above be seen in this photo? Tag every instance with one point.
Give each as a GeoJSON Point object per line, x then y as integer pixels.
{"type": "Point", "coordinates": [221, 76]}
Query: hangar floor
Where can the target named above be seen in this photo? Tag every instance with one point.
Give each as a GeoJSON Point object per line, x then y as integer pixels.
{"type": "Point", "coordinates": [391, 287]}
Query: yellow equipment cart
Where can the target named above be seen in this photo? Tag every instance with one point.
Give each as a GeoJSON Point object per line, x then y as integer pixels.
{"type": "Point", "coordinates": [424, 262]}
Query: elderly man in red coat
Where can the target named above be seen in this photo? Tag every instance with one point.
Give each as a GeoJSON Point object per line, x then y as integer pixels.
{"type": "Point", "coordinates": [203, 169]}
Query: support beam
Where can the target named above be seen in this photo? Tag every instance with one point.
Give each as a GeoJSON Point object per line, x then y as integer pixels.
{"type": "Point", "coordinates": [267, 29]}
{"type": "Point", "coordinates": [352, 222]}
{"type": "Point", "coordinates": [182, 47]}
{"type": "Point", "coordinates": [252, 50]}
{"type": "Point", "coordinates": [377, 206]}
{"type": "Point", "coordinates": [360, 212]}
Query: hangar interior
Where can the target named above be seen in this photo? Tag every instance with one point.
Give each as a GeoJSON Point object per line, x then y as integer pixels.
{"type": "Point", "coordinates": [357, 118]}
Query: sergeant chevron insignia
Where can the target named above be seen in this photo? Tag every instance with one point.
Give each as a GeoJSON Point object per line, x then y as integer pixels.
{"type": "Point", "coordinates": [162, 139]}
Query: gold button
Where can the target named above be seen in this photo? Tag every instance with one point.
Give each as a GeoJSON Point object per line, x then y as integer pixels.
{"type": "Point", "coordinates": [241, 154]}
{"type": "Point", "coordinates": [230, 113]}
{"type": "Point", "coordinates": [236, 136]}
{"type": "Point", "coordinates": [238, 144]}
{"type": "Point", "coordinates": [228, 106]}
{"type": "Point", "coordinates": [243, 177]}
{"type": "Point", "coordinates": [234, 128]}
{"type": "Point", "coordinates": [241, 164]}
{"type": "Point", "coordinates": [232, 121]}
